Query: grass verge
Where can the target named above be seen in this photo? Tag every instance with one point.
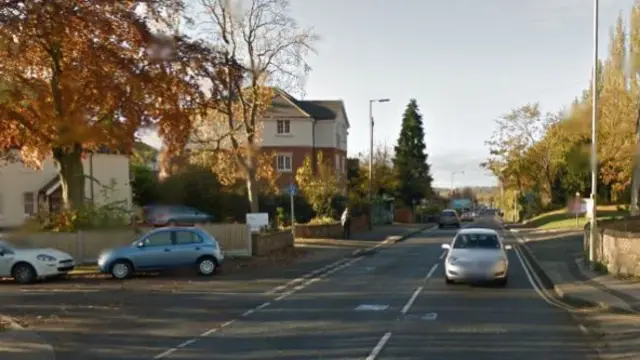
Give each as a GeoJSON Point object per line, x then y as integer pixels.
{"type": "Point", "coordinates": [561, 219]}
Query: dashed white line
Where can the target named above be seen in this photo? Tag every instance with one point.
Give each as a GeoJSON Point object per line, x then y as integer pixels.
{"type": "Point", "coordinates": [305, 277]}
{"type": "Point", "coordinates": [431, 271]}
{"type": "Point", "coordinates": [583, 329]}
{"type": "Point", "coordinates": [412, 299]}
{"type": "Point", "coordinates": [378, 349]}
{"type": "Point", "coordinates": [444, 253]}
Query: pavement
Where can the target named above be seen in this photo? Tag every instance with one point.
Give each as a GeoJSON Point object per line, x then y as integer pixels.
{"type": "Point", "coordinates": [609, 307]}
{"type": "Point", "coordinates": [96, 317]}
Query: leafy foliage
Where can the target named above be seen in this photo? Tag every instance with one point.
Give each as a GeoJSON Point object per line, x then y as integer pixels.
{"type": "Point", "coordinates": [79, 76]}
{"type": "Point", "coordinates": [544, 159]}
{"type": "Point", "coordinates": [319, 187]}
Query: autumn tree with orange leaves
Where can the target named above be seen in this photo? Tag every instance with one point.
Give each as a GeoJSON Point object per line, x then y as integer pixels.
{"type": "Point", "coordinates": [264, 47]}
{"type": "Point", "coordinates": [82, 75]}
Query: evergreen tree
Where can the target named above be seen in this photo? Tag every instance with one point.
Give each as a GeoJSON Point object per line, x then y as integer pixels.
{"type": "Point", "coordinates": [410, 160]}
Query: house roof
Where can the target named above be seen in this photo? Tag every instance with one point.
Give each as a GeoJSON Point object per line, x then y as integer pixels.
{"type": "Point", "coordinates": [284, 105]}
{"type": "Point", "coordinates": [50, 186]}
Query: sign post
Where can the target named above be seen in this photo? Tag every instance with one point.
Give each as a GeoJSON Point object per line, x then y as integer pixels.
{"type": "Point", "coordinates": [293, 190]}
{"type": "Point", "coordinates": [579, 203]}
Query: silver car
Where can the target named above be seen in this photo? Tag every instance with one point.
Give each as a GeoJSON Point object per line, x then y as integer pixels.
{"type": "Point", "coordinates": [476, 255]}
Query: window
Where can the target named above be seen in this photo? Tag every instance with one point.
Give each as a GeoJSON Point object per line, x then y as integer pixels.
{"type": "Point", "coordinates": [284, 163]}
{"type": "Point", "coordinates": [29, 204]}
{"type": "Point", "coordinates": [284, 127]}
{"type": "Point", "coordinates": [478, 241]}
{"type": "Point", "coordinates": [162, 238]}
{"type": "Point", "coordinates": [187, 237]}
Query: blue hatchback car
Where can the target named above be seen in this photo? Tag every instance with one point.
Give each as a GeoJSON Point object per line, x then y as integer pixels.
{"type": "Point", "coordinates": [162, 249]}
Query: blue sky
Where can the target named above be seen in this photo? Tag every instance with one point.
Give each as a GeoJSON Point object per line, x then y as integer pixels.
{"type": "Point", "coordinates": [465, 61]}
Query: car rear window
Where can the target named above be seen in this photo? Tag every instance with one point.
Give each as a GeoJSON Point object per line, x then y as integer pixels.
{"type": "Point", "coordinates": [447, 214]}
{"type": "Point", "coordinates": [476, 241]}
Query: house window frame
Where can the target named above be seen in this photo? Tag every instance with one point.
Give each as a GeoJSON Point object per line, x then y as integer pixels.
{"type": "Point", "coordinates": [284, 157]}
{"type": "Point", "coordinates": [33, 202]}
{"type": "Point", "coordinates": [283, 127]}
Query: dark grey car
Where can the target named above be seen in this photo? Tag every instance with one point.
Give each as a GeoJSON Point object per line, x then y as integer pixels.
{"type": "Point", "coordinates": [448, 218]}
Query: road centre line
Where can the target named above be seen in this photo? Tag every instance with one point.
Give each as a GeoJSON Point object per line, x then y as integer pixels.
{"type": "Point", "coordinates": [431, 271]}
{"type": "Point", "coordinates": [412, 299]}
{"type": "Point", "coordinates": [304, 281]}
{"type": "Point", "coordinates": [444, 253]}
{"type": "Point", "coordinates": [378, 348]}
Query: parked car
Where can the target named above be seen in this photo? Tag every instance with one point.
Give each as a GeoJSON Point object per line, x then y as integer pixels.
{"type": "Point", "coordinates": [162, 215]}
{"type": "Point", "coordinates": [162, 249]}
{"type": "Point", "coordinates": [448, 217]}
{"type": "Point", "coordinates": [27, 265]}
{"type": "Point", "coordinates": [476, 255]}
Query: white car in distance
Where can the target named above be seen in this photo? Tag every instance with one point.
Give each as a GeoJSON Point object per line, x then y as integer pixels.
{"type": "Point", "coordinates": [476, 255]}
{"type": "Point", "coordinates": [27, 265]}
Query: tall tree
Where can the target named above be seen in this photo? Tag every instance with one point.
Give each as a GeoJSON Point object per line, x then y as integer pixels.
{"type": "Point", "coordinates": [410, 160]}
{"type": "Point", "coordinates": [86, 74]}
{"type": "Point", "coordinates": [270, 48]}
{"type": "Point", "coordinates": [634, 71]}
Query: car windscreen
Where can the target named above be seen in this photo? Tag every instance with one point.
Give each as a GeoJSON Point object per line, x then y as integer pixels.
{"type": "Point", "coordinates": [476, 241]}
{"type": "Point", "coordinates": [447, 214]}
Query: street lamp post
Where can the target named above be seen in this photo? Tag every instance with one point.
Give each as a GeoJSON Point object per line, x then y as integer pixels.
{"type": "Point", "coordinates": [371, 157]}
{"type": "Point", "coordinates": [594, 134]}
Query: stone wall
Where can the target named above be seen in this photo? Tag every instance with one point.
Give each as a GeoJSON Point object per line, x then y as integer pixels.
{"type": "Point", "coordinates": [618, 250]}
{"type": "Point", "coordinates": [263, 244]}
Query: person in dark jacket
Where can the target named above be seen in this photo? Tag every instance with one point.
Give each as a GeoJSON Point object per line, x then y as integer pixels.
{"type": "Point", "coordinates": [345, 220]}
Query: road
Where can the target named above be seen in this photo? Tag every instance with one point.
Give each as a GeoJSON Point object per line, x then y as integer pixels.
{"type": "Point", "coordinates": [393, 304]}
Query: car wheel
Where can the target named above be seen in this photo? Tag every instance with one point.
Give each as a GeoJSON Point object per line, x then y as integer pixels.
{"type": "Point", "coordinates": [207, 266]}
{"type": "Point", "coordinates": [503, 282]}
{"type": "Point", "coordinates": [121, 270]}
{"type": "Point", "coordinates": [440, 226]}
{"type": "Point", "coordinates": [24, 273]}
{"type": "Point", "coordinates": [448, 281]}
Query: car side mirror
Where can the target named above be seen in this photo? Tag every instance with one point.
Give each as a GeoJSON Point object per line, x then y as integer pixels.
{"type": "Point", "coordinates": [508, 247]}
{"type": "Point", "coordinates": [140, 244]}
{"type": "Point", "coordinates": [446, 246]}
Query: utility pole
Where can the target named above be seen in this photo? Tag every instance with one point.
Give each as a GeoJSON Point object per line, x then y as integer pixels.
{"type": "Point", "coordinates": [371, 157]}
{"type": "Point", "coordinates": [594, 135]}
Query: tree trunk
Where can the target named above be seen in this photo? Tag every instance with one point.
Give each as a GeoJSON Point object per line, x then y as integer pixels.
{"type": "Point", "coordinates": [252, 184]}
{"type": "Point", "coordinates": [71, 172]}
{"type": "Point", "coordinates": [635, 175]}
{"type": "Point", "coordinates": [252, 191]}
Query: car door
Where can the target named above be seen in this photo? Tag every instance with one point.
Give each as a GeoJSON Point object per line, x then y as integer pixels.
{"type": "Point", "coordinates": [6, 261]}
{"type": "Point", "coordinates": [188, 247]}
{"type": "Point", "coordinates": [156, 251]}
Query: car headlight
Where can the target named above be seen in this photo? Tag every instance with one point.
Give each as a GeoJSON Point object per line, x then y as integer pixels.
{"type": "Point", "coordinates": [452, 260]}
{"type": "Point", "coordinates": [43, 257]}
{"type": "Point", "coordinates": [501, 264]}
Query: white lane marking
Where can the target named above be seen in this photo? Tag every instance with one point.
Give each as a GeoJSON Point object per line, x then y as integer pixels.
{"type": "Point", "coordinates": [430, 316]}
{"type": "Point", "coordinates": [316, 279]}
{"type": "Point", "coordinates": [583, 329]}
{"type": "Point", "coordinates": [431, 271]}
{"type": "Point", "coordinates": [378, 349]}
{"type": "Point", "coordinates": [48, 291]}
{"type": "Point", "coordinates": [305, 281]}
{"type": "Point", "coordinates": [305, 277]}
{"type": "Point", "coordinates": [531, 275]}
{"type": "Point", "coordinates": [444, 253]}
{"type": "Point", "coordinates": [371, 307]}
{"type": "Point", "coordinates": [412, 299]}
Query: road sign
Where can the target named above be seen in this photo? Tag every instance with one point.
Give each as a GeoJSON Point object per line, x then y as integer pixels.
{"type": "Point", "coordinates": [292, 189]}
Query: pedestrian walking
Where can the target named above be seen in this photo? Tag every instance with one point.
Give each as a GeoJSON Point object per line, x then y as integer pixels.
{"type": "Point", "coordinates": [345, 220]}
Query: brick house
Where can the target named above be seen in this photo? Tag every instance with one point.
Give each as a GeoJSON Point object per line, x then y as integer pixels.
{"type": "Point", "coordinates": [295, 129]}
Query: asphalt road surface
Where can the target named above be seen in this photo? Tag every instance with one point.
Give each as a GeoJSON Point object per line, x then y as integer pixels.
{"type": "Point", "coordinates": [392, 304]}
{"type": "Point", "coordinates": [396, 305]}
